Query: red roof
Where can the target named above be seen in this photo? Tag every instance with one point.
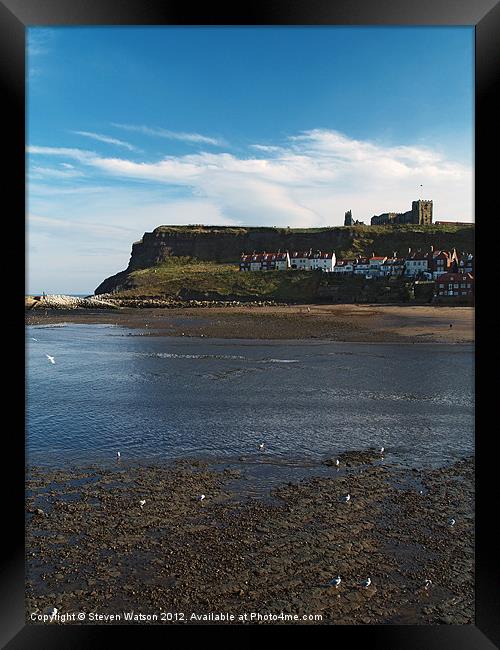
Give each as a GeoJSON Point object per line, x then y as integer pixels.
{"type": "Point", "coordinates": [264, 257]}
{"type": "Point", "coordinates": [456, 277]}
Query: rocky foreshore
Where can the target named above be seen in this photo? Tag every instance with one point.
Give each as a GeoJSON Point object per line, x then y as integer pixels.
{"type": "Point", "coordinates": [92, 546]}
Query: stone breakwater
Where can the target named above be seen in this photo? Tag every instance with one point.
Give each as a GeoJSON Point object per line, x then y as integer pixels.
{"type": "Point", "coordinates": [67, 302]}
{"type": "Point", "coordinates": [107, 301]}
{"type": "Point", "coordinates": [144, 302]}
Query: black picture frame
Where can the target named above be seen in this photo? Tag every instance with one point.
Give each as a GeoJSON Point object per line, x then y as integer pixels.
{"type": "Point", "coordinates": [15, 17]}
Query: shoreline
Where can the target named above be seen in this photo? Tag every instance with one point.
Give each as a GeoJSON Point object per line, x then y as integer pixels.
{"type": "Point", "coordinates": [342, 323]}
{"type": "Point", "coordinates": [91, 547]}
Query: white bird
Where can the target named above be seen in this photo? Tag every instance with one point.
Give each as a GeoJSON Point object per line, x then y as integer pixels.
{"type": "Point", "coordinates": [452, 522]}
{"type": "Point", "coordinates": [201, 497]}
{"type": "Point", "coordinates": [382, 449]}
{"type": "Point", "coordinates": [51, 359]}
{"type": "Point", "coordinates": [428, 583]}
{"type": "Point", "coordinates": [346, 498]}
{"type": "Point", "coordinates": [118, 455]}
{"type": "Point", "coordinates": [308, 309]}
{"type": "Point", "coordinates": [33, 339]}
{"type": "Point", "coordinates": [335, 582]}
{"type": "Point", "coordinates": [261, 446]}
{"type": "Point", "coordinates": [142, 502]}
{"type": "Point", "coordinates": [366, 583]}
{"type": "Point", "coordinates": [337, 462]}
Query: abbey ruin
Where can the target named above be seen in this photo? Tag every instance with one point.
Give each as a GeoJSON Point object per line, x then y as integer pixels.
{"type": "Point", "coordinates": [420, 213]}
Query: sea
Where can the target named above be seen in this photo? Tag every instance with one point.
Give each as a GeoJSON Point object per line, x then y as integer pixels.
{"type": "Point", "coordinates": [158, 399]}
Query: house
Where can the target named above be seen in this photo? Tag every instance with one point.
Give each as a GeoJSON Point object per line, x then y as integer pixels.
{"type": "Point", "coordinates": [309, 261]}
{"type": "Point", "coordinates": [344, 267]}
{"type": "Point", "coordinates": [323, 261]}
{"type": "Point", "coordinates": [466, 263]}
{"type": "Point", "coordinates": [454, 284]}
{"type": "Point", "coordinates": [300, 260]}
{"type": "Point", "coordinates": [361, 266]}
{"type": "Point", "coordinates": [392, 266]}
{"type": "Point", "coordinates": [415, 264]}
{"type": "Point", "coordinates": [375, 264]}
{"type": "Point", "coordinates": [265, 261]}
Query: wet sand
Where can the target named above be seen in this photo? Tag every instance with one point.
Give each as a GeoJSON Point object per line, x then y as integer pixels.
{"type": "Point", "coordinates": [348, 323]}
{"type": "Point", "coordinates": [91, 547]}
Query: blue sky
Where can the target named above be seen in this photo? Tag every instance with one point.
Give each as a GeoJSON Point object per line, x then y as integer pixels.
{"type": "Point", "coordinates": [131, 128]}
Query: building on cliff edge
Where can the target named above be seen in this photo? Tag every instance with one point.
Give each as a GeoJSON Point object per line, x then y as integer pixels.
{"type": "Point", "coordinates": [420, 213]}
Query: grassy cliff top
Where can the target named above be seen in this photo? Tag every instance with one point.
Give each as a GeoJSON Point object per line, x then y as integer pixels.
{"type": "Point", "coordinates": [365, 229]}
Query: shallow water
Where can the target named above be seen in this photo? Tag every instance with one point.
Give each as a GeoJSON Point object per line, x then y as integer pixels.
{"type": "Point", "coordinates": [156, 399]}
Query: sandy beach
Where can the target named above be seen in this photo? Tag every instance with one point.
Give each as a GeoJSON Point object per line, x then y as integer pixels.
{"type": "Point", "coordinates": [91, 546]}
{"type": "Point", "coordinates": [350, 323]}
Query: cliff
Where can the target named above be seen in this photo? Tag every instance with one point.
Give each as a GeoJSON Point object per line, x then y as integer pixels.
{"type": "Point", "coordinates": [224, 245]}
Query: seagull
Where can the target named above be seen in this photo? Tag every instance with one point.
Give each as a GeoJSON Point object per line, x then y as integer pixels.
{"type": "Point", "coordinates": [335, 582]}
{"type": "Point", "coordinates": [51, 359]}
{"type": "Point", "coordinates": [118, 455]}
{"type": "Point", "coordinates": [337, 462]}
{"type": "Point", "coordinates": [142, 502]}
{"type": "Point", "coordinates": [382, 449]}
{"type": "Point", "coordinates": [201, 497]}
{"type": "Point", "coordinates": [308, 309]}
{"type": "Point", "coordinates": [451, 522]}
{"type": "Point", "coordinates": [428, 583]}
{"type": "Point", "coordinates": [33, 339]}
{"type": "Point", "coordinates": [261, 446]}
{"type": "Point", "coordinates": [346, 498]}
{"type": "Point", "coordinates": [366, 583]}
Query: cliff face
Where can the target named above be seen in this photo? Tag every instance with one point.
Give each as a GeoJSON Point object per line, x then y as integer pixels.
{"type": "Point", "coordinates": [225, 244]}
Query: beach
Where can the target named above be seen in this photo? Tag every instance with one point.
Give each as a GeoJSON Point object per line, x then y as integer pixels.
{"type": "Point", "coordinates": [91, 547]}
{"type": "Point", "coordinates": [347, 323]}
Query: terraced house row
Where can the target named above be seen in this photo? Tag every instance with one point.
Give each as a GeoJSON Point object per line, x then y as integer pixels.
{"type": "Point", "coordinates": [429, 265]}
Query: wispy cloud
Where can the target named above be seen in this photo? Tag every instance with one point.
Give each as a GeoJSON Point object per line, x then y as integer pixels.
{"type": "Point", "coordinates": [107, 139]}
{"type": "Point", "coordinates": [193, 138]}
{"type": "Point", "coordinates": [37, 172]}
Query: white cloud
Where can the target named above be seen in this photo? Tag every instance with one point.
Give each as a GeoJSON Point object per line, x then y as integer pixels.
{"type": "Point", "coordinates": [194, 138]}
{"type": "Point", "coordinates": [311, 180]}
{"type": "Point", "coordinates": [107, 139]}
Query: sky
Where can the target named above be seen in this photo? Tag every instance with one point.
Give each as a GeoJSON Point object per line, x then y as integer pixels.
{"type": "Point", "coordinates": [129, 128]}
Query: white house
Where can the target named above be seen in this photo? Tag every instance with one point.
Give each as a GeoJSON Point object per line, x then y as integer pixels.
{"type": "Point", "coordinates": [415, 264]}
{"type": "Point", "coordinates": [323, 261]}
{"type": "Point", "coordinates": [301, 260]}
{"type": "Point", "coordinates": [344, 266]}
